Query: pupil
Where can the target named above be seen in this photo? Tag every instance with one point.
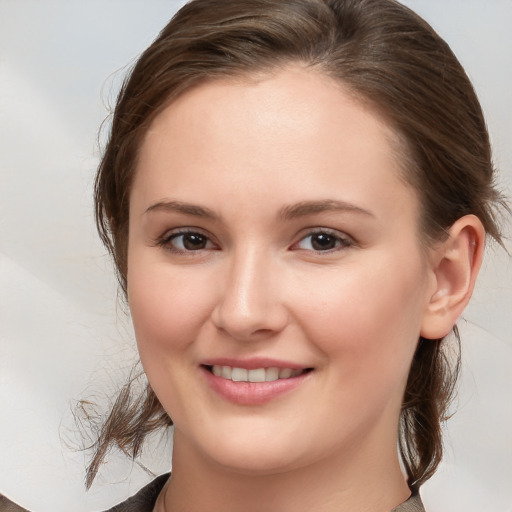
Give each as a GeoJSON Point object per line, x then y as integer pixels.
{"type": "Point", "coordinates": [323, 242]}
{"type": "Point", "coordinates": [194, 242]}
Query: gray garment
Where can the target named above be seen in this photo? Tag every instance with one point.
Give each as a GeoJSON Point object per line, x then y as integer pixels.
{"type": "Point", "coordinates": [145, 499]}
{"type": "Point", "coordinates": [8, 506]}
{"type": "Point", "coordinates": [413, 504]}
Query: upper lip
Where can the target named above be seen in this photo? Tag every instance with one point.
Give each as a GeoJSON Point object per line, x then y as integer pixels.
{"type": "Point", "coordinates": [252, 363]}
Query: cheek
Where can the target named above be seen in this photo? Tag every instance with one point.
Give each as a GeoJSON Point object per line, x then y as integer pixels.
{"type": "Point", "coordinates": [168, 313]}
{"type": "Point", "coordinates": [368, 317]}
{"type": "Point", "coordinates": [167, 310]}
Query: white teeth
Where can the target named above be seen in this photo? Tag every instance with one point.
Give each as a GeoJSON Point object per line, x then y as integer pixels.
{"type": "Point", "coordinates": [271, 374]}
{"type": "Point", "coordinates": [239, 375]}
{"type": "Point", "coordinates": [255, 375]}
{"type": "Point", "coordinates": [226, 372]}
{"type": "Point", "coordinates": [285, 373]}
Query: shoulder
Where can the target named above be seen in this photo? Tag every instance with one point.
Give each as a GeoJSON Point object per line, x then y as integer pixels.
{"type": "Point", "coordinates": [413, 504]}
{"type": "Point", "coordinates": [145, 499]}
{"type": "Point", "coordinates": [8, 506]}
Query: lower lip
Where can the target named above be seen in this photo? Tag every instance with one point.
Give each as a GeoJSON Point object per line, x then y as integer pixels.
{"type": "Point", "coordinates": [252, 393]}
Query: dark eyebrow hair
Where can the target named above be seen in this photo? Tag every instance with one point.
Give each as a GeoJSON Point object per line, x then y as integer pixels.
{"type": "Point", "coordinates": [181, 207]}
{"type": "Point", "coordinates": [311, 207]}
{"type": "Point", "coordinates": [287, 213]}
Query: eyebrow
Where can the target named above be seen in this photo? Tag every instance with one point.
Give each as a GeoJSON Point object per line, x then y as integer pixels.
{"type": "Point", "coordinates": [181, 207]}
{"type": "Point", "coordinates": [305, 208]}
{"type": "Point", "coordinates": [290, 212]}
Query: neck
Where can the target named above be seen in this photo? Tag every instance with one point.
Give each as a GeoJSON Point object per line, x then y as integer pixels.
{"type": "Point", "coordinates": [364, 478]}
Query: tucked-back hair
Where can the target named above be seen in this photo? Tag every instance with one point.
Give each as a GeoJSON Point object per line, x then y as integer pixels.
{"type": "Point", "coordinates": [389, 59]}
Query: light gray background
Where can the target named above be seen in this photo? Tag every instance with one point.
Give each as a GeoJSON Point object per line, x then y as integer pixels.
{"type": "Point", "coordinates": [62, 334]}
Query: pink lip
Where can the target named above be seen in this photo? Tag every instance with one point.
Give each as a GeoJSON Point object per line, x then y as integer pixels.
{"type": "Point", "coordinates": [252, 393]}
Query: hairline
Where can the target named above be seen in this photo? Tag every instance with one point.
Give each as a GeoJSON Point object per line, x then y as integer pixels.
{"type": "Point", "coordinates": [400, 147]}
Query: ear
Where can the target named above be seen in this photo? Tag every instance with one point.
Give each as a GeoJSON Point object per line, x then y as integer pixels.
{"type": "Point", "coordinates": [455, 265]}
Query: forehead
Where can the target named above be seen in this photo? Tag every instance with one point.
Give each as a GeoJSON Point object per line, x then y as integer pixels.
{"type": "Point", "coordinates": [296, 132]}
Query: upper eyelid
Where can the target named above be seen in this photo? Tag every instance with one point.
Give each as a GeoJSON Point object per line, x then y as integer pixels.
{"type": "Point", "coordinates": [346, 240]}
{"type": "Point", "coordinates": [167, 235]}
{"type": "Point", "coordinates": [328, 231]}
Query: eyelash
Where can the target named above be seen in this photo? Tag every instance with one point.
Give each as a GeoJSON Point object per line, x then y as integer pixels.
{"type": "Point", "coordinates": [166, 241]}
{"type": "Point", "coordinates": [341, 242]}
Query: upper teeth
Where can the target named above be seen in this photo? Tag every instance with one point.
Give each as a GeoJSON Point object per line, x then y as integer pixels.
{"type": "Point", "coordinates": [256, 375]}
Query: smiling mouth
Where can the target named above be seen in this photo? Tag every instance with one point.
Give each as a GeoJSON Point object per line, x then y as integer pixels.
{"type": "Point", "coordinates": [255, 375]}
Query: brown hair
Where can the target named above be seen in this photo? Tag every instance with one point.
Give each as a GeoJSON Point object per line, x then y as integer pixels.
{"type": "Point", "coordinates": [389, 58]}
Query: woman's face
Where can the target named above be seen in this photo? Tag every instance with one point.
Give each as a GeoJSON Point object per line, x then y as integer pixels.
{"type": "Point", "coordinates": [272, 240]}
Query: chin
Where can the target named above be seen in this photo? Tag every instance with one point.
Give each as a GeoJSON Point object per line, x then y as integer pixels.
{"type": "Point", "coordinates": [255, 462]}
{"type": "Point", "coordinates": [251, 452]}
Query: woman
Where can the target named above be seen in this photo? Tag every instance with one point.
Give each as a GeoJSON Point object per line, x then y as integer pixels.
{"type": "Point", "coordinates": [294, 193]}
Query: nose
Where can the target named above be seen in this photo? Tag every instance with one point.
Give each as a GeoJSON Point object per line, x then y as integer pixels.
{"type": "Point", "coordinates": [250, 304]}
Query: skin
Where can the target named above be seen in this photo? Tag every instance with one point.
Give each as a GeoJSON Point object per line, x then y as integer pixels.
{"type": "Point", "coordinates": [249, 152]}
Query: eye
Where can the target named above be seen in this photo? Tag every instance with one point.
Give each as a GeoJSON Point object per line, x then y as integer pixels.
{"type": "Point", "coordinates": [186, 241]}
{"type": "Point", "coordinates": [323, 241]}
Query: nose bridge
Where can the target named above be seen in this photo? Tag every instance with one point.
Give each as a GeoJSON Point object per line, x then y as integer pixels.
{"type": "Point", "coordinates": [250, 302]}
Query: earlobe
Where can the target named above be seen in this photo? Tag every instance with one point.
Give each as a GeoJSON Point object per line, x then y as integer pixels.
{"type": "Point", "coordinates": [455, 264]}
